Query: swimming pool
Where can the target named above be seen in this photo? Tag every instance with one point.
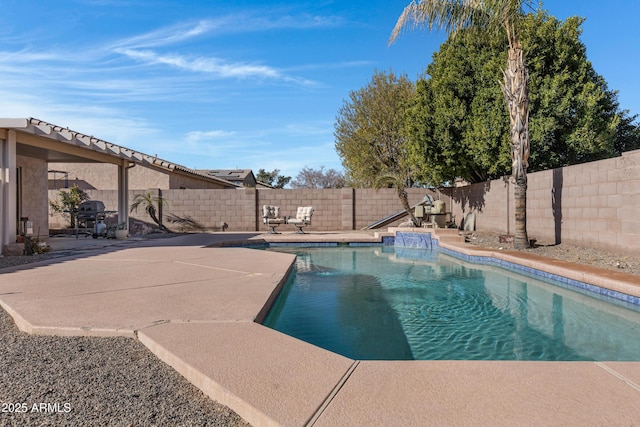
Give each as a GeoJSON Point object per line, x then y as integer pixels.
{"type": "Point", "coordinates": [390, 303]}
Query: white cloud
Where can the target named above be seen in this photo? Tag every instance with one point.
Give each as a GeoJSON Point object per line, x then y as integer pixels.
{"type": "Point", "coordinates": [165, 36]}
{"type": "Point", "coordinates": [313, 129]}
{"type": "Point", "coordinates": [26, 56]}
{"type": "Point", "coordinates": [256, 149]}
{"type": "Point", "coordinates": [244, 22]}
{"type": "Point", "coordinates": [213, 66]}
{"type": "Point", "coordinates": [197, 136]}
{"type": "Point", "coordinates": [260, 21]}
{"type": "Point", "coordinates": [134, 92]}
{"type": "Point", "coordinates": [146, 48]}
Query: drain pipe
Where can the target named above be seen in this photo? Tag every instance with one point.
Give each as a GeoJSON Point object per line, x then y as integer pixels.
{"type": "Point", "coordinates": [506, 179]}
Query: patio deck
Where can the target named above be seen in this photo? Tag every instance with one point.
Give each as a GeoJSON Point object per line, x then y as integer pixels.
{"type": "Point", "coordinates": [194, 307]}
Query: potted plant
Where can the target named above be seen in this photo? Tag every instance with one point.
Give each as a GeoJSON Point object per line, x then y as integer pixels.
{"type": "Point", "coordinates": [122, 231]}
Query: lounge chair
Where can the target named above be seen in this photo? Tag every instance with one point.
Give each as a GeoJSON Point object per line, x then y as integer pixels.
{"type": "Point", "coordinates": [302, 219]}
{"type": "Point", "coordinates": [271, 217]}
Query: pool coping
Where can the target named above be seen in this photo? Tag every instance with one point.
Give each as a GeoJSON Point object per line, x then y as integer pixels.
{"type": "Point", "coordinates": [613, 284]}
{"type": "Point", "coordinates": [269, 378]}
{"type": "Point", "coordinates": [617, 285]}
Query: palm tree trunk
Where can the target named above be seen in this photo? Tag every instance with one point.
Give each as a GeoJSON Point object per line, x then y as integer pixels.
{"type": "Point", "coordinates": [154, 218]}
{"type": "Point", "coordinates": [404, 199]}
{"type": "Point", "coordinates": [521, 240]}
{"type": "Point", "coordinates": [516, 93]}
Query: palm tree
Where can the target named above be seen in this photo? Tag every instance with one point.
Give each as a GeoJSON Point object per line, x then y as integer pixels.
{"type": "Point", "coordinates": [490, 15]}
{"type": "Point", "coordinates": [398, 180]}
{"type": "Point", "coordinates": [152, 205]}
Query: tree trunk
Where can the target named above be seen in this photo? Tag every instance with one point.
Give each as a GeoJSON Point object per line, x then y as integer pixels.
{"type": "Point", "coordinates": [521, 240]}
{"type": "Point", "coordinates": [404, 199]}
{"type": "Point", "coordinates": [152, 213]}
{"type": "Point", "coordinates": [516, 94]}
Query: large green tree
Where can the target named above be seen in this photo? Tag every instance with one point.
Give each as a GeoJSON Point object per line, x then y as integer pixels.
{"type": "Point", "coordinates": [490, 15]}
{"type": "Point", "coordinates": [370, 137]}
{"type": "Point", "coordinates": [575, 116]}
{"type": "Point", "coordinates": [273, 178]}
{"type": "Point", "coordinates": [458, 128]}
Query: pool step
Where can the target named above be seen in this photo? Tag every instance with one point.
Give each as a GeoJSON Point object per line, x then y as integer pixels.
{"type": "Point", "coordinates": [447, 235]}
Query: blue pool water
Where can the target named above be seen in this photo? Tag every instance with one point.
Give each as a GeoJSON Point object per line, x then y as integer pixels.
{"type": "Point", "coordinates": [391, 303]}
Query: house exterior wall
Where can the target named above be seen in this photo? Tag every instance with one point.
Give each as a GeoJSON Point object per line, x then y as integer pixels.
{"type": "Point", "coordinates": [594, 204]}
{"type": "Point", "coordinates": [35, 203]}
{"type": "Point", "coordinates": [179, 181]}
{"type": "Point", "coordinates": [104, 176]}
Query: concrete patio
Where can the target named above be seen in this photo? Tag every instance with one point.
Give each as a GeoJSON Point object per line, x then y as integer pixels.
{"type": "Point", "coordinates": [195, 308]}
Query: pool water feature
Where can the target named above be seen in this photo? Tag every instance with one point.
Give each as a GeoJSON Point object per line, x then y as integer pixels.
{"type": "Point", "coordinates": [392, 303]}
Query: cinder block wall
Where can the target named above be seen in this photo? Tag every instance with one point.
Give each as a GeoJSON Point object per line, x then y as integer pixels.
{"type": "Point", "coordinates": [594, 204]}
{"type": "Point", "coordinates": [492, 201]}
{"type": "Point", "coordinates": [108, 197]}
{"type": "Point", "coordinates": [206, 207]}
{"type": "Point", "coordinates": [373, 205]}
{"type": "Point", "coordinates": [327, 205]}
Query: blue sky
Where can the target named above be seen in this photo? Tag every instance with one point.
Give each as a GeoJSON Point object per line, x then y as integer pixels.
{"type": "Point", "coordinates": [237, 84]}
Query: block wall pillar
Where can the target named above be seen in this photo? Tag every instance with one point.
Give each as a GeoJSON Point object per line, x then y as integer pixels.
{"type": "Point", "coordinates": [251, 216]}
{"type": "Point", "coordinates": [348, 199]}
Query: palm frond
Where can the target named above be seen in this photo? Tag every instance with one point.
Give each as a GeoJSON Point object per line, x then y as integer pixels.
{"type": "Point", "coordinates": [389, 180]}
{"type": "Point", "coordinates": [453, 16]}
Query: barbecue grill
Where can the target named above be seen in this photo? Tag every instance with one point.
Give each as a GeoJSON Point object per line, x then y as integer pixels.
{"type": "Point", "coordinates": [91, 213]}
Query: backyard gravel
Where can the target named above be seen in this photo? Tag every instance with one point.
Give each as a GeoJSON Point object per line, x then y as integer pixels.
{"type": "Point", "coordinates": [78, 381]}
{"type": "Point", "coordinates": [611, 260]}
{"type": "Point", "coordinates": [90, 381]}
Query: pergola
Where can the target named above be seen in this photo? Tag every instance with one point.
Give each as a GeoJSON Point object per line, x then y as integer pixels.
{"type": "Point", "coordinates": [38, 139]}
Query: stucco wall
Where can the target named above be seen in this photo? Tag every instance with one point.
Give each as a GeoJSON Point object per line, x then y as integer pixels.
{"type": "Point", "coordinates": [34, 202]}
{"type": "Point", "coordinates": [177, 180]}
{"type": "Point", "coordinates": [103, 176]}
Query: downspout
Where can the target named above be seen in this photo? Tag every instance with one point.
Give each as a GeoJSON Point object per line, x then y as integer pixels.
{"type": "Point", "coordinates": [506, 180]}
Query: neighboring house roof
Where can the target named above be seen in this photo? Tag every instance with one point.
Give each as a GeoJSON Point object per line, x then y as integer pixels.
{"type": "Point", "coordinates": [79, 147]}
{"type": "Point", "coordinates": [242, 177]}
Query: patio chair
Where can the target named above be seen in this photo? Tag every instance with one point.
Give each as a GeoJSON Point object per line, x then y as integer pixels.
{"type": "Point", "coordinates": [271, 217]}
{"type": "Point", "coordinates": [302, 219]}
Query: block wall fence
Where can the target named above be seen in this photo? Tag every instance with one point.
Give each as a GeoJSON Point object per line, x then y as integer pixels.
{"type": "Point", "coordinates": [594, 204]}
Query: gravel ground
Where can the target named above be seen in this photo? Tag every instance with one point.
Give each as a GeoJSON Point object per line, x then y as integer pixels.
{"type": "Point", "coordinates": [89, 381]}
{"type": "Point", "coordinates": [95, 382]}
{"type": "Point", "coordinates": [610, 260]}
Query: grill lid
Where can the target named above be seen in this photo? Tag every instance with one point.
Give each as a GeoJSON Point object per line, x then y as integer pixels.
{"type": "Point", "coordinates": [89, 208]}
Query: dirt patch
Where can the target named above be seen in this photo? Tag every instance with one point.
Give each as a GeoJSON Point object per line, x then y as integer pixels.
{"type": "Point", "coordinates": [612, 260]}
